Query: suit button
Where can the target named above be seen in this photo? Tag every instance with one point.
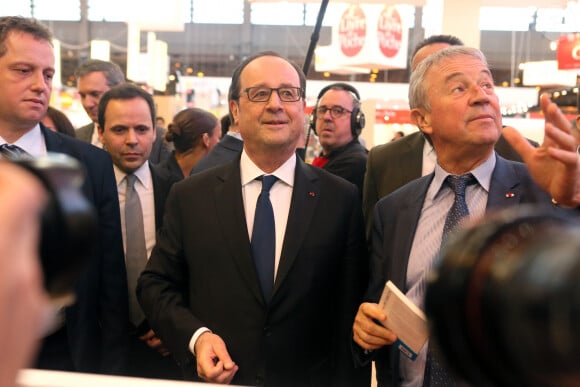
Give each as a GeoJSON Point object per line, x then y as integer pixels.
{"type": "Point", "coordinates": [267, 331]}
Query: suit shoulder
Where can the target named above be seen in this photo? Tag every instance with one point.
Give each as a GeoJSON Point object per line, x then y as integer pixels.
{"type": "Point", "coordinates": [331, 180]}
{"type": "Point", "coordinates": [393, 149]}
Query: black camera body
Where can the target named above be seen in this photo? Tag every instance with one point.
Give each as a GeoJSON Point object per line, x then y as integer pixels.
{"type": "Point", "coordinates": [504, 302]}
{"type": "Point", "coordinates": [68, 225]}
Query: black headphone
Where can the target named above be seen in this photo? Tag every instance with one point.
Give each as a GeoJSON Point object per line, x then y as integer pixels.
{"type": "Point", "coordinates": [357, 117]}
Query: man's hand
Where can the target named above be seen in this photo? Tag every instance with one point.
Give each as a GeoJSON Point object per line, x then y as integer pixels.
{"type": "Point", "coordinates": [154, 342]}
{"type": "Point", "coordinates": [367, 332]}
{"type": "Point", "coordinates": [213, 360]}
{"type": "Point", "coordinates": [555, 165]}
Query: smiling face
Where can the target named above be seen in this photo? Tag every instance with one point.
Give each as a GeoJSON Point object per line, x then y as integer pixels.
{"type": "Point", "coordinates": [129, 133]}
{"type": "Point", "coordinates": [26, 72]}
{"type": "Point", "coordinates": [464, 116]}
{"type": "Point", "coordinates": [272, 126]}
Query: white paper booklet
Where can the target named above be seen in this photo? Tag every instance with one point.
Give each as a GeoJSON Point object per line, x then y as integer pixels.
{"type": "Point", "coordinates": [405, 319]}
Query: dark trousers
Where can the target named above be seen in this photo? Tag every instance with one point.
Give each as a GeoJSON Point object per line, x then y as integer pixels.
{"type": "Point", "coordinates": [145, 362]}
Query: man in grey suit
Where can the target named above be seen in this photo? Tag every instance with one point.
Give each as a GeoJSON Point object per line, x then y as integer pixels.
{"type": "Point", "coordinates": [453, 102]}
{"type": "Point", "coordinates": [94, 78]}
{"type": "Point", "coordinates": [228, 317]}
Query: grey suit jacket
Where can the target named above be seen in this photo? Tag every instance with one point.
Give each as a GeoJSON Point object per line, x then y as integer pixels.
{"type": "Point", "coordinates": [201, 274]}
{"type": "Point", "coordinates": [395, 220]}
{"type": "Point", "coordinates": [160, 150]}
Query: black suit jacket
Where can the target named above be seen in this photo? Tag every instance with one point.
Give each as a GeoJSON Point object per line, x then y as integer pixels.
{"type": "Point", "coordinates": [96, 325]}
{"type": "Point", "coordinates": [159, 151]}
{"type": "Point", "coordinates": [394, 164]}
{"type": "Point", "coordinates": [226, 150]}
{"type": "Point", "coordinates": [201, 274]}
{"type": "Point", "coordinates": [349, 162]}
{"type": "Point", "coordinates": [395, 220]}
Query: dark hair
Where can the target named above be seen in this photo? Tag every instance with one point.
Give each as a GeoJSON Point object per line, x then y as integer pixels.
{"type": "Point", "coordinates": [449, 39]}
{"type": "Point", "coordinates": [125, 91]}
{"type": "Point", "coordinates": [226, 122]}
{"type": "Point", "coordinates": [25, 25]}
{"type": "Point", "coordinates": [234, 91]}
{"type": "Point", "coordinates": [188, 127]}
{"type": "Point", "coordinates": [61, 122]}
{"type": "Point", "coordinates": [112, 71]}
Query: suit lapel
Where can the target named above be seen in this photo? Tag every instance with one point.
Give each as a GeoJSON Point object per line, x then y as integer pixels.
{"type": "Point", "coordinates": [304, 201]}
{"type": "Point", "coordinates": [504, 189]}
{"type": "Point", "coordinates": [229, 207]}
{"type": "Point", "coordinates": [407, 219]}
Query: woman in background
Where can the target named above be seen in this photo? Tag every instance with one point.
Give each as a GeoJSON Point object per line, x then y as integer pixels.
{"type": "Point", "coordinates": [57, 121]}
{"type": "Point", "coordinates": [194, 132]}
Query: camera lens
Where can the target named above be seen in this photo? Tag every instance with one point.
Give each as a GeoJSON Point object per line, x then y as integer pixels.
{"type": "Point", "coordinates": [504, 300]}
{"type": "Point", "coordinates": [68, 224]}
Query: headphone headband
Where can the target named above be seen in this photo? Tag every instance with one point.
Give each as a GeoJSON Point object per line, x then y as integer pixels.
{"type": "Point", "coordinates": [357, 121]}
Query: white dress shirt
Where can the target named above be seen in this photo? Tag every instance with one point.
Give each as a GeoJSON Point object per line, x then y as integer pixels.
{"type": "Point", "coordinates": [32, 142]}
{"type": "Point", "coordinates": [144, 188]}
{"type": "Point", "coordinates": [427, 242]}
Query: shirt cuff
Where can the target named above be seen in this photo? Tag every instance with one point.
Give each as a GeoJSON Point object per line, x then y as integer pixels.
{"type": "Point", "coordinates": [194, 338]}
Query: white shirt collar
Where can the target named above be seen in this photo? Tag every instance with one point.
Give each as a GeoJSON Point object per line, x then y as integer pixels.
{"type": "Point", "coordinates": [143, 174]}
{"type": "Point", "coordinates": [250, 171]}
{"type": "Point", "coordinates": [482, 174]}
{"type": "Point", "coordinates": [32, 142]}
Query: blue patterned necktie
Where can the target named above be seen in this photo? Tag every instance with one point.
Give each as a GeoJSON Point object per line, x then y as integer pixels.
{"type": "Point", "coordinates": [13, 152]}
{"type": "Point", "coordinates": [136, 254]}
{"type": "Point", "coordinates": [459, 209]}
{"type": "Point", "coordinates": [264, 237]}
{"type": "Point", "coordinates": [437, 375]}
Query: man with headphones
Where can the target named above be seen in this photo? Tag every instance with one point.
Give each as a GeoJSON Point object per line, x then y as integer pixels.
{"type": "Point", "coordinates": [337, 121]}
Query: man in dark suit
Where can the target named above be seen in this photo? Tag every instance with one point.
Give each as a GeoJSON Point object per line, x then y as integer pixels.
{"type": "Point", "coordinates": [338, 121]}
{"type": "Point", "coordinates": [126, 129]}
{"type": "Point", "coordinates": [391, 165]}
{"type": "Point", "coordinates": [225, 315]}
{"type": "Point", "coordinates": [453, 102]}
{"type": "Point", "coordinates": [91, 335]}
{"type": "Point", "coordinates": [94, 78]}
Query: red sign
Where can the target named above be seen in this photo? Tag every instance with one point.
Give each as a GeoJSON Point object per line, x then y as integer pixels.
{"type": "Point", "coordinates": [389, 32]}
{"type": "Point", "coordinates": [569, 52]}
{"type": "Point", "coordinates": [352, 30]}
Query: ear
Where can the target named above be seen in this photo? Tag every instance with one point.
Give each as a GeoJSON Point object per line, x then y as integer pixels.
{"type": "Point", "coordinates": [422, 119]}
{"type": "Point", "coordinates": [100, 132]}
{"type": "Point", "coordinates": [234, 109]}
{"type": "Point", "coordinates": [205, 140]}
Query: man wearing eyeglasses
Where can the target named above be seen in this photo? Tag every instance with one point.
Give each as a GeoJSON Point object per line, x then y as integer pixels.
{"type": "Point", "coordinates": [338, 121]}
{"type": "Point", "coordinates": [258, 267]}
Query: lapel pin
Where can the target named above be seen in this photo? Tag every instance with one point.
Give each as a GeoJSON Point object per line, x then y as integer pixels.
{"type": "Point", "coordinates": [311, 194]}
{"type": "Point", "coordinates": [510, 195]}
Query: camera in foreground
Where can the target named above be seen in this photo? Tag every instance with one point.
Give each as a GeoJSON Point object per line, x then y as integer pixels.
{"type": "Point", "coordinates": [504, 301]}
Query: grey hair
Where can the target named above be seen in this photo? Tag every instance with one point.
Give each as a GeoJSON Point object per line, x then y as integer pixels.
{"type": "Point", "coordinates": [417, 84]}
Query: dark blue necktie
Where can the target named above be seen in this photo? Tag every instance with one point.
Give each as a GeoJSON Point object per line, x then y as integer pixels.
{"type": "Point", "coordinates": [13, 152]}
{"type": "Point", "coordinates": [437, 375]}
{"type": "Point", "coordinates": [264, 237]}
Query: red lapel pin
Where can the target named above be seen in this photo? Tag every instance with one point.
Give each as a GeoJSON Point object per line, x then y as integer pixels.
{"type": "Point", "coordinates": [510, 195]}
{"type": "Point", "coordinates": [311, 194]}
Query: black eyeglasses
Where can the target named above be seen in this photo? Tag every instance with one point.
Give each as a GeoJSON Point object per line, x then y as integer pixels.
{"type": "Point", "coordinates": [335, 111]}
{"type": "Point", "coordinates": [263, 94]}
